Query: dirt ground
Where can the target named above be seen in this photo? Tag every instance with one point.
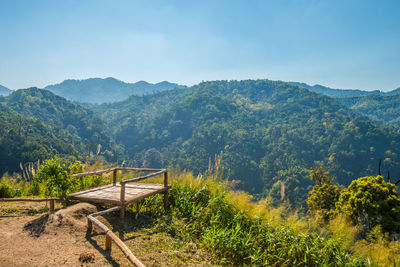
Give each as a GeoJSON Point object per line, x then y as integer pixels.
{"type": "Point", "coordinates": [30, 236]}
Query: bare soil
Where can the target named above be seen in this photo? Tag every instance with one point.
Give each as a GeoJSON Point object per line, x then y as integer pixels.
{"type": "Point", "coordinates": [30, 236]}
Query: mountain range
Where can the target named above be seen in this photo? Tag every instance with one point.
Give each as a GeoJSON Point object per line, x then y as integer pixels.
{"type": "Point", "coordinates": [4, 91]}
{"type": "Point", "coordinates": [269, 132]}
{"type": "Point", "coordinates": [97, 90]}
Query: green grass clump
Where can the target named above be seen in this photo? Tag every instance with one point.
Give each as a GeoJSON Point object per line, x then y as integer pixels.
{"type": "Point", "coordinates": [202, 212]}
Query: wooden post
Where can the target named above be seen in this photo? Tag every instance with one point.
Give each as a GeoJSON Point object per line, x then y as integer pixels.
{"type": "Point", "coordinates": [166, 191]}
{"type": "Point", "coordinates": [89, 226]}
{"type": "Point", "coordinates": [115, 176]}
{"type": "Point", "coordinates": [51, 205]}
{"type": "Point", "coordinates": [108, 242]}
{"type": "Point", "coordinates": [122, 212]}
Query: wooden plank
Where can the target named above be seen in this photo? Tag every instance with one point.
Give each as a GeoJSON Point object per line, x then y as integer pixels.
{"type": "Point", "coordinates": [143, 177]}
{"type": "Point", "coordinates": [29, 199]}
{"type": "Point", "coordinates": [115, 176]}
{"type": "Point", "coordinates": [51, 205]}
{"type": "Point", "coordinates": [116, 168]}
{"type": "Point", "coordinates": [98, 224]}
{"type": "Point", "coordinates": [108, 240]}
{"type": "Point", "coordinates": [97, 200]}
{"type": "Point", "coordinates": [99, 173]}
{"type": "Point", "coordinates": [138, 169]}
{"type": "Point", "coordinates": [91, 190]}
{"type": "Point", "coordinates": [128, 253]}
{"type": "Point", "coordinates": [140, 197]}
{"type": "Point", "coordinates": [110, 236]}
{"type": "Point", "coordinates": [100, 213]}
{"type": "Point", "coordinates": [166, 191]}
{"type": "Point", "coordinates": [122, 200]}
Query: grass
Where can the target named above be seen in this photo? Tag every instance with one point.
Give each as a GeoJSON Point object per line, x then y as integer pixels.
{"type": "Point", "coordinates": [237, 230]}
{"type": "Point", "coordinates": [206, 215]}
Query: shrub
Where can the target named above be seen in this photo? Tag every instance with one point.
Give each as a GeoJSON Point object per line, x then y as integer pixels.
{"type": "Point", "coordinates": [6, 191]}
{"type": "Point", "coordinates": [371, 201]}
{"type": "Point", "coordinates": [54, 177]}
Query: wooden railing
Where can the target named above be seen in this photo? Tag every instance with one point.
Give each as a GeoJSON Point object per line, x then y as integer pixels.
{"type": "Point", "coordinates": [110, 236]}
{"type": "Point", "coordinates": [52, 200]}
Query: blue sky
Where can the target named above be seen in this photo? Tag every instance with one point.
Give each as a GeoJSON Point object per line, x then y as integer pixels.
{"type": "Point", "coordinates": [341, 44]}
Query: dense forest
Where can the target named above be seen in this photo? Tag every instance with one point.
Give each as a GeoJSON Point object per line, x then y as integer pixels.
{"type": "Point", "coordinates": [269, 133]}
{"type": "Point", "coordinates": [36, 122]}
{"type": "Point", "coordinates": [384, 109]}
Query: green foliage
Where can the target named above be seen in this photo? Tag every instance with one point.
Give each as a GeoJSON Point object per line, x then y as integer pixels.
{"type": "Point", "coordinates": [201, 212]}
{"type": "Point", "coordinates": [58, 124]}
{"type": "Point", "coordinates": [322, 198]}
{"type": "Point", "coordinates": [269, 133]}
{"type": "Point", "coordinates": [319, 176]}
{"type": "Point", "coordinates": [6, 190]}
{"type": "Point", "coordinates": [24, 140]}
{"type": "Point", "coordinates": [379, 108]}
{"type": "Point", "coordinates": [371, 201]}
{"type": "Point", "coordinates": [55, 178]}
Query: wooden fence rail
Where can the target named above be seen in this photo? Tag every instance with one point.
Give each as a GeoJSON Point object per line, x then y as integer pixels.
{"type": "Point", "coordinates": [52, 200]}
{"type": "Point", "coordinates": [110, 236]}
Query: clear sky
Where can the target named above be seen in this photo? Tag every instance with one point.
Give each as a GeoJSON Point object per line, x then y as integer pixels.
{"type": "Point", "coordinates": [341, 44]}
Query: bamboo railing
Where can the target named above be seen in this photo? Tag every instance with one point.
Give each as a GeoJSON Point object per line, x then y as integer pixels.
{"type": "Point", "coordinates": [111, 237]}
{"type": "Point", "coordinates": [52, 200]}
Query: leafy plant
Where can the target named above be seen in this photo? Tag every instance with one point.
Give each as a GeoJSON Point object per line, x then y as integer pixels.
{"type": "Point", "coordinates": [371, 201]}
{"type": "Point", "coordinates": [324, 195]}
{"type": "Point", "coordinates": [56, 178]}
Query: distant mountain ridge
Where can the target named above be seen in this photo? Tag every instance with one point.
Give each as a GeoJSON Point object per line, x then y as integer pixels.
{"type": "Point", "coordinates": [4, 90]}
{"type": "Point", "coordinates": [98, 90]}
{"type": "Point", "coordinates": [338, 93]}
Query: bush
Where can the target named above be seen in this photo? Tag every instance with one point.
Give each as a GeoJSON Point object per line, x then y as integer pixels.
{"type": "Point", "coordinates": [6, 191]}
{"type": "Point", "coordinates": [53, 176]}
{"type": "Point", "coordinates": [371, 201]}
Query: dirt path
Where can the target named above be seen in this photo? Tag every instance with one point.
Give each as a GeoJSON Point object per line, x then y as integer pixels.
{"type": "Point", "coordinates": [59, 239]}
{"type": "Point", "coordinates": [59, 244]}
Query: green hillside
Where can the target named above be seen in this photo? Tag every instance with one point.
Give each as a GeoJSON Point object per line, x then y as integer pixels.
{"type": "Point", "coordinates": [24, 139]}
{"type": "Point", "coordinates": [384, 109]}
{"type": "Point", "coordinates": [269, 132]}
{"type": "Point", "coordinates": [79, 126]}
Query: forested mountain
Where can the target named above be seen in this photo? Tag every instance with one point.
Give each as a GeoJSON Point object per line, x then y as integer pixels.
{"type": "Point", "coordinates": [24, 139]}
{"type": "Point", "coordinates": [97, 90]}
{"type": "Point", "coordinates": [269, 132]}
{"type": "Point", "coordinates": [62, 119]}
{"type": "Point", "coordinates": [379, 108]}
{"type": "Point", "coordinates": [4, 91]}
{"type": "Point", "coordinates": [338, 93]}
